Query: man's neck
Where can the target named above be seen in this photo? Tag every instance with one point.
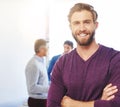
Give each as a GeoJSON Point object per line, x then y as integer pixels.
{"type": "Point", "coordinates": [85, 52]}
{"type": "Point", "coordinates": [39, 55]}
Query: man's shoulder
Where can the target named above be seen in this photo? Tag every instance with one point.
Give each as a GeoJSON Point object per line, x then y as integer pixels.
{"type": "Point", "coordinates": [114, 57]}
{"type": "Point", "coordinates": [112, 54]}
{"type": "Point", "coordinates": [56, 56]}
{"type": "Point", "coordinates": [65, 60]}
{"type": "Point", "coordinates": [68, 56]}
{"type": "Point", "coordinates": [109, 50]}
{"type": "Point", "coordinates": [32, 62]}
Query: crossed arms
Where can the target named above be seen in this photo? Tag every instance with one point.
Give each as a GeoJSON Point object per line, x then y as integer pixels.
{"type": "Point", "coordinates": [108, 94]}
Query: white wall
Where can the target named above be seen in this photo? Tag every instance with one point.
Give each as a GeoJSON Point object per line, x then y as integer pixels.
{"type": "Point", "coordinates": [21, 23]}
{"type": "Point", "coordinates": [106, 34]}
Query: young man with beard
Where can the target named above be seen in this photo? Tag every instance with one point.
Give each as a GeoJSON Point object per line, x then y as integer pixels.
{"type": "Point", "coordinates": [89, 76]}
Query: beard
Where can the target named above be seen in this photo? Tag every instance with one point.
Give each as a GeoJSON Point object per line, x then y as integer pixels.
{"type": "Point", "coordinates": [87, 42]}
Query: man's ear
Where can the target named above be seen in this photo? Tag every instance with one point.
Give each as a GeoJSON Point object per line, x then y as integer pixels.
{"type": "Point", "coordinates": [96, 25]}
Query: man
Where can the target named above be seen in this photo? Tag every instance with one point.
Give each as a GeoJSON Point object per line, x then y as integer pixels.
{"type": "Point", "coordinates": [68, 46]}
{"type": "Point", "coordinates": [89, 76]}
{"type": "Point", "coordinates": [36, 76]}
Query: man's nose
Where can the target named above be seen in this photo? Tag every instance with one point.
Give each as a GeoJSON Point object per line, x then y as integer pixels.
{"type": "Point", "coordinates": [82, 27]}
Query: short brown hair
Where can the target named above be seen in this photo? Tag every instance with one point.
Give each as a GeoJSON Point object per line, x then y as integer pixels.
{"type": "Point", "coordinates": [38, 44]}
{"type": "Point", "coordinates": [82, 6]}
{"type": "Point", "coordinates": [70, 43]}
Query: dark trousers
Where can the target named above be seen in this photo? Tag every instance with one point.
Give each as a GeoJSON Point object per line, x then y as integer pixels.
{"type": "Point", "coordinates": [37, 102]}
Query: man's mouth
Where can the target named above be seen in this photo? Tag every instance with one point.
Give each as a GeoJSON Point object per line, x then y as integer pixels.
{"type": "Point", "coordinates": [82, 35]}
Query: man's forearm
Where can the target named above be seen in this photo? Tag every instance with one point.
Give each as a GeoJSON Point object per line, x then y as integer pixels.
{"type": "Point", "coordinates": [84, 104]}
{"type": "Point", "coordinates": [69, 102]}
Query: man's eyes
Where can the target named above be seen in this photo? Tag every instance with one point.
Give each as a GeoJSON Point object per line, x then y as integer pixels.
{"type": "Point", "coordinates": [87, 22]}
{"type": "Point", "coordinates": [76, 23]}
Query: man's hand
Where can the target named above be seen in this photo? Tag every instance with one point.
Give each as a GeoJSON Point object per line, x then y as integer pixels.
{"type": "Point", "coordinates": [108, 92]}
{"type": "Point", "coordinates": [68, 102]}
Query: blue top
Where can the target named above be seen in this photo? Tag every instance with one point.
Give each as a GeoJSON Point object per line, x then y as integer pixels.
{"type": "Point", "coordinates": [85, 80]}
{"type": "Point", "coordinates": [52, 63]}
{"type": "Point", "coordinates": [36, 78]}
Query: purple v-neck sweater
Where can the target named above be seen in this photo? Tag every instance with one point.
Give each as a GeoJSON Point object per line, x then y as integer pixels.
{"type": "Point", "coordinates": [85, 80]}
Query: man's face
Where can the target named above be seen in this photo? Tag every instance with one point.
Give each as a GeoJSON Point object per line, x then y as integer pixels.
{"type": "Point", "coordinates": [43, 50]}
{"type": "Point", "coordinates": [83, 27]}
{"type": "Point", "coordinates": [67, 48]}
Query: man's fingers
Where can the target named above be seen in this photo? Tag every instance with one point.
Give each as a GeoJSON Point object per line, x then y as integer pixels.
{"type": "Point", "coordinates": [111, 88]}
{"type": "Point", "coordinates": [109, 92]}
{"type": "Point", "coordinates": [111, 97]}
{"type": "Point", "coordinates": [108, 86]}
{"type": "Point", "coordinates": [112, 92]}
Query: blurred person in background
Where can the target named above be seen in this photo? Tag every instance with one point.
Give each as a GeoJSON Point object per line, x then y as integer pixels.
{"type": "Point", "coordinates": [68, 46]}
{"type": "Point", "coordinates": [36, 76]}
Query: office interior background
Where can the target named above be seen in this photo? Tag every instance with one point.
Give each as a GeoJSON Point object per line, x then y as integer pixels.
{"type": "Point", "coordinates": [24, 21]}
